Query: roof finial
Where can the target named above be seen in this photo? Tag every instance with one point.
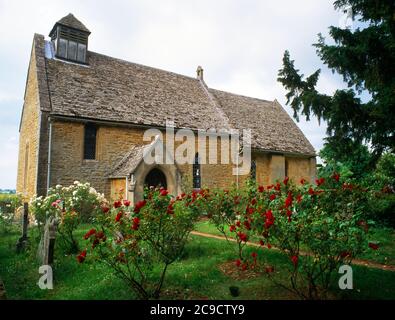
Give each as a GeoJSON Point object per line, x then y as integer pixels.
{"type": "Point", "coordinates": [199, 73]}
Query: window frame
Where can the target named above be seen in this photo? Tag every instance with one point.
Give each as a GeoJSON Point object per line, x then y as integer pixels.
{"type": "Point", "coordinates": [93, 151]}
{"type": "Point", "coordinates": [253, 170]}
{"type": "Point", "coordinates": [196, 173]}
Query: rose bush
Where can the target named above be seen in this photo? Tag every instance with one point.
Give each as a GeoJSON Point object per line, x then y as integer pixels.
{"type": "Point", "coordinates": [70, 206]}
{"type": "Point", "coordinates": [134, 241]}
{"type": "Point", "coordinates": [318, 226]}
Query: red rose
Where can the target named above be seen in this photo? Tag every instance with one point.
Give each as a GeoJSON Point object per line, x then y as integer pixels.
{"type": "Point", "coordinates": [105, 209]}
{"type": "Point", "coordinates": [261, 188]}
{"type": "Point", "coordinates": [170, 209]}
{"type": "Point", "coordinates": [126, 203]}
{"type": "Point", "coordinates": [261, 242]}
{"type": "Point", "coordinates": [136, 220]}
{"type": "Point", "coordinates": [269, 246]}
{"type": "Point", "coordinates": [311, 191]}
{"type": "Point", "coordinates": [139, 205]}
{"type": "Point", "coordinates": [232, 228]}
{"type": "Point", "coordinates": [164, 192]}
{"type": "Point", "coordinates": [288, 200]}
{"type": "Point", "coordinates": [117, 204]}
{"type": "Point", "coordinates": [247, 225]}
{"type": "Point", "coordinates": [302, 181]}
{"type": "Point", "coordinates": [242, 236]}
{"type": "Point", "coordinates": [269, 219]}
{"type": "Point", "coordinates": [277, 187]}
{"type": "Point", "coordinates": [118, 217]}
{"type": "Point", "coordinates": [299, 198]}
{"type": "Point", "coordinates": [238, 223]}
{"type": "Point", "coordinates": [244, 266]}
{"type": "Point", "coordinates": [249, 210]}
{"type": "Point", "coordinates": [319, 181]}
{"type": "Point", "coordinates": [89, 233]}
{"type": "Point", "coordinates": [286, 179]}
{"type": "Point", "coordinates": [254, 255]}
{"type": "Point", "coordinates": [95, 243]}
{"type": "Point", "coordinates": [101, 235]}
{"type": "Point", "coordinates": [238, 263]}
{"type": "Point", "coordinates": [295, 260]}
{"type": "Point", "coordinates": [272, 197]}
{"type": "Point", "coordinates": [373, 246]}
{"type": "Point", "coordinates": [336, 176]}
{"type": "Point", "coordinates": [81, 257]}
{"type": "Point", "coordinates": [135, 226]}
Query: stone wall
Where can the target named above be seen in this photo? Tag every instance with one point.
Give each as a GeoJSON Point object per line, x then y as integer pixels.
{"type": "Point", "coordinates": [113, 142]}
{"type": "Point", "coordinates": [299, 168]}
{"type": "Point", "coordinates": [28, 136]}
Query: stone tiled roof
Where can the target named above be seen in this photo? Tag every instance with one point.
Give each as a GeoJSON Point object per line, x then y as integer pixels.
{"type": "Point", "coordinates": [115, 90]}
{"type": "Point", "coordinates": [271, 126]}
{"type": "Point", "coordinates": [128, 163]}
{"type": "Point", "coordinates": [73, 22]}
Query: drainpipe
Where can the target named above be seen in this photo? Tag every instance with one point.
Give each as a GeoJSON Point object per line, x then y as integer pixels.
{"type": "Point", "coordinates": [49, 155]}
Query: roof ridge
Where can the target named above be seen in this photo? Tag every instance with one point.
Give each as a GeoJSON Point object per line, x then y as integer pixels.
{"type": "Point", "coordinates": [142, 65]}
{"type": "Point", "coordinates": [242, 95]}
{"type": "Point", "coordinates": [214, 101]}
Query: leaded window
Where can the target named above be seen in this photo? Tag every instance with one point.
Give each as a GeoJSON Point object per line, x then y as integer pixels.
{"type": "Point", "coordinates": [197, 180]}
{"type": "Point", "coordinates": [253, 170]}
{"type": "Point", "coordinates": [90, 142]}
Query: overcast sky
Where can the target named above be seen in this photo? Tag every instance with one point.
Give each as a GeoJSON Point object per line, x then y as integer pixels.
{"type": "Point", "coordinates": [240, 45]}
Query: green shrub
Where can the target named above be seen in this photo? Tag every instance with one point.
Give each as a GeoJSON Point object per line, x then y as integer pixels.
{"type": "Point", "coordinates": [327, 220]}
{"type": "Point", "coordinates": [134, 241]}
{"type": "Point", "coordinates": [70, 206]}
{"type": "Point", "coordinates": [9, 203]}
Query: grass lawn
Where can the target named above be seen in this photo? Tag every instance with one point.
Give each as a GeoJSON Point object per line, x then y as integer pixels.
{"type": "Point", "coordinates": [196, 275]}
{"type": "Point", "coordinates": [385, 237]}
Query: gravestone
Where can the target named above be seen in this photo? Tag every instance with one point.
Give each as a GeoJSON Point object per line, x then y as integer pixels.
{"type": "Point", "coordinates": [21, 244]}
{"type": "Point", "coordinates": [47, 243]}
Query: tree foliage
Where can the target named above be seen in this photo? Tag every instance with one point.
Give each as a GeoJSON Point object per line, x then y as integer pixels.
{"type": "Point", "coordinates": [365, 58]}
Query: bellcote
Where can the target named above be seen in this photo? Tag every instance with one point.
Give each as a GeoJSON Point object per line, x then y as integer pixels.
{"type": "Point", "coordinates": [70, 39]}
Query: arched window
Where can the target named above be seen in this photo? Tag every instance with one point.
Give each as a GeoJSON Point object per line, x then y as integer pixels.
{"type": "Point", "coordinates": [196, 172]}
{"type": "Point", "coordinates": [253, 170]}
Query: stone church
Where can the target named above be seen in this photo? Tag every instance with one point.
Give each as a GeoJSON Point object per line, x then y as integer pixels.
{"type": "Point", "coordinates": [85, 114]}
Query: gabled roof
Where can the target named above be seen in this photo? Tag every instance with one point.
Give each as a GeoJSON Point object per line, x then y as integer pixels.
{"type": "Point", "coordinates": [72, 22]}
{"type": "Point", "coordinates": [129, 163]}
{"type": "Point", "coordinates": [109, 89]}
{"type": "Point", "coordinates": [272, 129]}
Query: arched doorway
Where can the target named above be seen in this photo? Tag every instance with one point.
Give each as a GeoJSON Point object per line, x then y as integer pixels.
{"type": "Point", "coordinates": [155, 178]}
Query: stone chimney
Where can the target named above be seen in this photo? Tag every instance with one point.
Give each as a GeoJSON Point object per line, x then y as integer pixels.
{"type": "Point", "coordinates": [199, 73]}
